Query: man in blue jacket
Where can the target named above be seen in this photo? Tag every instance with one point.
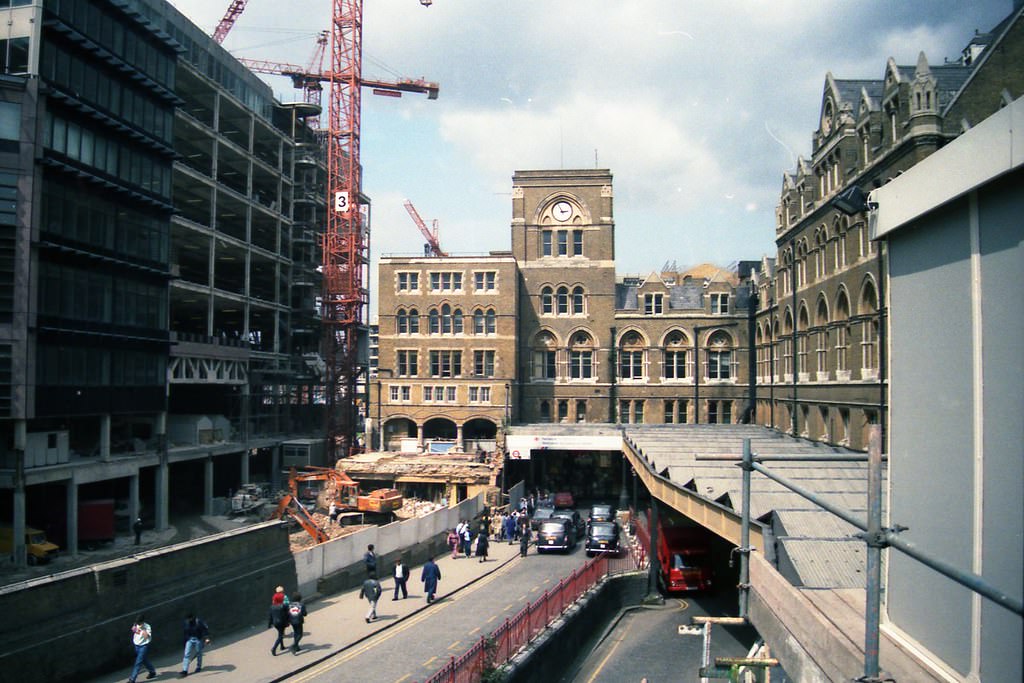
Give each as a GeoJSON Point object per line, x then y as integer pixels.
{"type": "Point", "coordinates": [430, 576]}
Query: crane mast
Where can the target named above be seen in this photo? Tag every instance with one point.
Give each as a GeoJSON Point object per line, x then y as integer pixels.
{"type": "Point", "coordinates": [345, 240]}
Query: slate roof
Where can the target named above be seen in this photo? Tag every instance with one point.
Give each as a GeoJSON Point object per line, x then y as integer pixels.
{"type": "Point", "coordinates": [813, 547]}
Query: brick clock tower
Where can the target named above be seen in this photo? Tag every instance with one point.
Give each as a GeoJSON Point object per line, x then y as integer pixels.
{"type": "Point", "coordinates": [563, 239]}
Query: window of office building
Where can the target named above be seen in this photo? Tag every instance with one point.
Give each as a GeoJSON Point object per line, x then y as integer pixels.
{"type": "Point", "coordinates": [677, 351]}
{"type": "Point", "coordinates": [675, 411]}
{"type": "Point", "coordinates": [406, 363]}
{"type": "Point", "coordinates": [408, 282]}
{"type": "Point", "coordinates": [483, 363]}
{"type": "Point", "coordinates": [719, 303]}
{"type": "Point", "coordinates": [719, 412]}
{"type": "Point", "coordinates": [544, 357]}
{"type": "Point", "coordinates": [581, 356]}
{"type": "Point", "coordinates": [484, 281]}
{"type": "Point", "coordinates": [480, 395]}
{"type": "Point", "coordinates": [445, 363]}
{"type": "Point", "coordinates": [653, 304]}
{"type": "Point", "coordinates": [631, 357]}
{"type": "Point", "coordinates": [719, 356]}
{"type": "Point", "coordinates": [446, 281]}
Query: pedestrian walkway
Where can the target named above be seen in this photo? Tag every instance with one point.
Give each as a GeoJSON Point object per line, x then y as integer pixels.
{"type": "Point", "coordinates": [335, 623]}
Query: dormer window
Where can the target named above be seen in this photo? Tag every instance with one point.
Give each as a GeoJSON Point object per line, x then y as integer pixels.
{"type": "Point", "coordinates": [653, 304]}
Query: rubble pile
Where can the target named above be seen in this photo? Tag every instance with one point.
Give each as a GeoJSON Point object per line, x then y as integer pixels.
{"type": "Point", "coordinates": [415, 507]}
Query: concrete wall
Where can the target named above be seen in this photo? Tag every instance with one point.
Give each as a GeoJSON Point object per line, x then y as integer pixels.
{"type": "Point", "coordinates": [86, 614]}
{"type": "Point", "coordinates": [225, 578]}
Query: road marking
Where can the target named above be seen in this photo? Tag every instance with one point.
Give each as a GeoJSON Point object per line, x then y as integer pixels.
{"type": "Point", "coordinates": [493, 618]}
{"type": "Point", "coordinates": [380, 637]}
{"type": "Point", "coordinates": [429, 661]}
{"type": "Point", "coordinates": [474, 631]}
{"type": "Point", "coordinates": [403, 678]}
{"type": "Point", "coordinates": [608, 656]}
{"type": "Point", "coordinates": [454, 645]}
{"type": "Point", "coordinates": [509, 606]}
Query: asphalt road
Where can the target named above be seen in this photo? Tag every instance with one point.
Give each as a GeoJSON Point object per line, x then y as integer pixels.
{"type": "Point", "coordinates": [645, 645]}
{"type": "Point", "coordinates": [416, 648]}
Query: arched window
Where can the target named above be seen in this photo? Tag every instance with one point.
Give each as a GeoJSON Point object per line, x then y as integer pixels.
{"type": "Point", "coordinates": [577, 301]}
{"type": "Point", "coordinates": [491, 322]}
{"type": "Point", "coordinates": [677, 352]}
{"type": "Point", "coordinates": [435, 321]}
{"type": "Point", "coordinates": [414, 321]}
{"type": "Point", "coordinates": [787, 344]}
{"type": "Point", "coordinates": [869, 331]}
{"type": "Point", "coordinates": [401, 322]}
{"type": "Point", "coordinates": [563, 301]}
{"type": "Point", "coordinates": [546, 301]}
{"type": "Point", "coordinates": [446, 319]}
{"type": "Point", "coordinates": [478, 321]}
{"type": "Point", "coordinates": [581, 356]}
{"type": "Point", "coordinates": [457, 321]}
{"type": "Point", "coordinates": [545, 411]}
{"type": "Point", "coordinates": [719, 356]}
{"type": "Point", "coordinates": [821, 339]}
{"type": "Point", "coordinates": [544, 349]}
{"type": "Point", "coordinates": [842, 328]}
{"type": "Point", "coordinates": [631, 356]}
{"type": "Point", "coordinates": [802, 340]}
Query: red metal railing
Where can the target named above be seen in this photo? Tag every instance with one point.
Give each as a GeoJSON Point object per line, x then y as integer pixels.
{"type": "Point", "coordinates": [505, 641]}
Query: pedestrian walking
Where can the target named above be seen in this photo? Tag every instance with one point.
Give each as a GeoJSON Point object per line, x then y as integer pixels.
{"type": "Point", "coordinates": [401, 574]}
{"type": "Point", "coordinates": [279, 591]}
{"type": "Point", "coordinates": [454, 543]}
{"type": "Point", "coordinates": [371, 591]}
{"type": "Point", "coordinates": [278, 618]}
{"type": "Point", "coordinates": [142, 636]}
{"type": "Point", "coordinates": [524, 541]}
{"type": "Point", "coordinates": [430, 575]}
{"type": "Point", "coordinates": [296, 617]}
{"type": "Point", "coordinates": [370, 560]}
{"type": "Point", "coordinates": [196, 638]}
{"type": "Point", "coordinates": [510, 528]}
{"type": "Point", "coordinates": [481, 547]}
{"type": "Point", "coordinates": [467, 540]}
{"type": "Point", "coordinates": [137, 528]}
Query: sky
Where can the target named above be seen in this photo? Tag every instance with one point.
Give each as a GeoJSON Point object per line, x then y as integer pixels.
{"type": "Point", "coordinates": [696, 107]}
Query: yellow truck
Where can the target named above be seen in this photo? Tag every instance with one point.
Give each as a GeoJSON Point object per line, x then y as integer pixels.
{"type": "Point", "coordinates": [37, 548]}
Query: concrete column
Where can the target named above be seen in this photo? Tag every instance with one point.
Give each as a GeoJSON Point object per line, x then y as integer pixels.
{"type": "Point", "coordinates": [161, 487]}
{"type": "Point", "coordinates": [72, 517]}
{"type": "Point", "coordinates": [18, 499]}
{"type": "Point", "coordinates": [133, 500]}
{"type": "Point", "coordinates": [419, 435]}
{"type": "Point", "coordinates": [105, 437]}
{"type": "Point", "coordinates": [244, 474]}
{"type": "Point", "coordinates": [208, 485]}
{"type": "Point", "coordinates": [458, 438]}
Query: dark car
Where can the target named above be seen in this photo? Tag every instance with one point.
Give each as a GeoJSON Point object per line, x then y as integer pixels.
{"type": "Point", "coordinates": [539, 515]}
{"type": "Point", "coordinates": [564, 500]}
{"type": "Point", "coordinates": [602, 512]}
{"type": "Point", "coordinates": [602, 537]}
{"type": "Point", "coordinates": [555, 534]}
{"type": "Point", "coordinates": [578, 525]}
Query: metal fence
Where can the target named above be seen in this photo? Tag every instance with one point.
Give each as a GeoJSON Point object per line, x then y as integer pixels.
{"type": "Point", "coordinates": [491, 651]}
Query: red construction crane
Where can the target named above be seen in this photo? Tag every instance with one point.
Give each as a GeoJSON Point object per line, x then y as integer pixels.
{"type": "Point", "coordinates": [228, 20]}
{"type": "Point", "coordinates": [345, 241]}
{"type": "Point", "coordinates": [430, 234]}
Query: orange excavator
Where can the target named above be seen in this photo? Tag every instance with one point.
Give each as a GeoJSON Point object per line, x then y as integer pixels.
{"type": "Point", "coordinates": [346, 493]}
{"type": "Point", "coordinates": [291, 507]}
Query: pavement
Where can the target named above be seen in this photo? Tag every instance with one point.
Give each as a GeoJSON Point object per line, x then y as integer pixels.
{"type": "Point", "coordinates": [335, 623]}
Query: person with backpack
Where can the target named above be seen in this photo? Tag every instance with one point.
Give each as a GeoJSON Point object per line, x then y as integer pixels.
{"type": "Point", "coordinates": [371, 591]}
{"type": "Point", "coordinates": [296, 617]}
{"type": "Point", "coordinates": [196, 638]}
{"type": "Point", "coordinates": [278, 618]}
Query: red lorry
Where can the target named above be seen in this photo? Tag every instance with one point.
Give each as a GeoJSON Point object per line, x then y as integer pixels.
{"type": "Point", "coordinates": [684, 554]}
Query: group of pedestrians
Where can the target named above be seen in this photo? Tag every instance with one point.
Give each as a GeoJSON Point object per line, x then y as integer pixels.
{"type": "Point", "coordinates": [460, 540]}
{"type": "Point", "coordinates": [196, 637]}
{"type": "Point", "coordinates": [285, 612]}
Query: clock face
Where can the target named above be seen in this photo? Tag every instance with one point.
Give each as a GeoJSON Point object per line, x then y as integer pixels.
{"type": "Point", "coordinates": [561, 211]}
